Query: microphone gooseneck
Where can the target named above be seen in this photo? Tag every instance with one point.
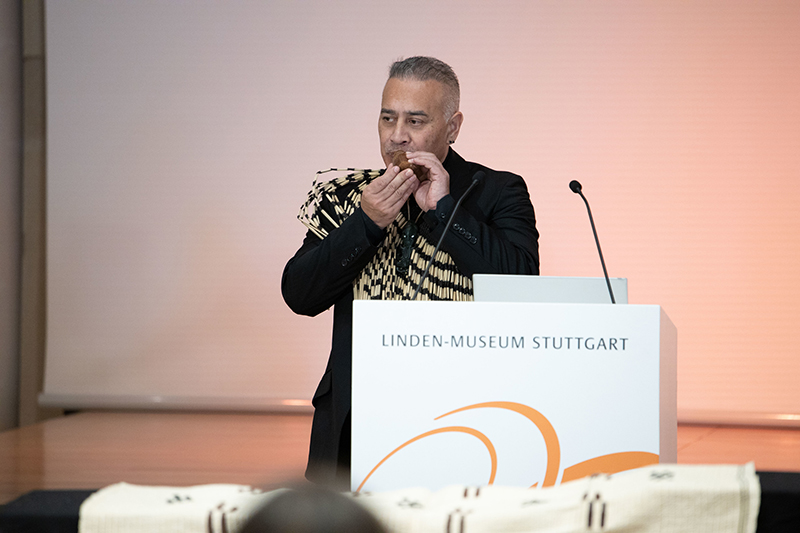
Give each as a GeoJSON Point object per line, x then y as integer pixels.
{"type": "Point", "coordinates": [479, 175]}
{"type": "Point", "coordinates": [575, 187]}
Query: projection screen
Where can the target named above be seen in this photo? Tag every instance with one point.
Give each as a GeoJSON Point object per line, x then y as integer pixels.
{"type": "Point", "coordinates": [183, 137]}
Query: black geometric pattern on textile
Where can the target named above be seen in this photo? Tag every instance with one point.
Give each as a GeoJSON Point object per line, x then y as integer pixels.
{"type": "Point", "coordinates": [330, 203]}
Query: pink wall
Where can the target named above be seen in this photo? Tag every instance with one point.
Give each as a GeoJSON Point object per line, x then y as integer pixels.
{"type": "Point", "coordinates": [202, 124]}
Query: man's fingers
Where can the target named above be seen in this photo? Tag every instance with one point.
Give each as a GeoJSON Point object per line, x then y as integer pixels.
{"type": "Point", "coordinates": [383, 198]}
{"type": "Point", "coordinates": [438, 184]}
{"type": "Point", "coordinates": [425, 159]}
{"type": "Point", "coordinates": [392, 186]}
{"type": "Point", "coordinates": [397, 192]}
{"type": "Point", "coordinates": [386, 177]}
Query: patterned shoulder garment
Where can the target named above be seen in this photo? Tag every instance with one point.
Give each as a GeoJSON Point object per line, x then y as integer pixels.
{"type": "Point", "coordinates": [394, 272]}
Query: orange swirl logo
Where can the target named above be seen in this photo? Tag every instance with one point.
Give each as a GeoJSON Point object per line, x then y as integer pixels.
{"type": "Point", "coordinates": [608, 464]}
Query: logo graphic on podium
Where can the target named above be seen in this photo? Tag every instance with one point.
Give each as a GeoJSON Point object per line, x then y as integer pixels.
{"type": "Point", "coordinates": [607, 464]}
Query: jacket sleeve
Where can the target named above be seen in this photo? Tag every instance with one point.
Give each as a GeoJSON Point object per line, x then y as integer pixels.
{"type": "Point", "coordinates": [494, 230]}
{"type": "Point", "coordinates": [322, 270]}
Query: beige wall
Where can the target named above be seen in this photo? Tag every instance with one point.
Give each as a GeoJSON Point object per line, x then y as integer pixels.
{"type": "Point", "coordinates": [10, 179]}
{"type": "Point", "coordinates": [33, 290]}
{"type": "Point", "coordinates": [22, 189]}
{"type": "Point", "coordinates": [182, 139]}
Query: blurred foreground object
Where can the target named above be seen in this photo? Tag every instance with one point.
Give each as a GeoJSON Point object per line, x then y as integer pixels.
{"type": "Point", "coordinates": [661, 498]}
{"type": "Point", "coordinates": [312, 509]}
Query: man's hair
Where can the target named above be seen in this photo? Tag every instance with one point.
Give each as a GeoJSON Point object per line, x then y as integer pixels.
{"type": "Point", "coordinates": [312, 509]}
{"type": "Point", "coordinates": [423, 68]}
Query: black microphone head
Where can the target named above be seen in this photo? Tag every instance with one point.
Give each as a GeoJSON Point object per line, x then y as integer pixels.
{"type": "Point", "coordinates": [575, 186]}
{"type": "Point", "coordinates": [479, 175]}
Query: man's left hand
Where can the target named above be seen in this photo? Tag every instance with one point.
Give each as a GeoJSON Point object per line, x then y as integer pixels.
{"type": "Point", "coordinates": [437, 186]}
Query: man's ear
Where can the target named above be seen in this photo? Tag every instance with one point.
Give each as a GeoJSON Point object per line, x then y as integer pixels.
{"type": "Point", "coordinates": [454, 126]}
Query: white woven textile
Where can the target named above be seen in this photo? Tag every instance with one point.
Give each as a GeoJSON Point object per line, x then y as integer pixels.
{"type": "Point", "coordinates": [125, 508]}
{"type": "Point", "coordinates": [658, 498]}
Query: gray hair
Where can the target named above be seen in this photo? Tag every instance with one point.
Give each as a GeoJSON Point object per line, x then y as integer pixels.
{"type": "Point", "coordinates": [423, 68]}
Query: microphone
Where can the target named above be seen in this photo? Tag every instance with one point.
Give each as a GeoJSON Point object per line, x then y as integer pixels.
{"type": "Point", "coordinates": [479, 175]}
{"type": "Point", "coordinates": [575, 187]}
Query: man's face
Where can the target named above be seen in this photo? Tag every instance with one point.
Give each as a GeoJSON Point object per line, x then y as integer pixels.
{"type": "Point", "coordinates": [412, 118]}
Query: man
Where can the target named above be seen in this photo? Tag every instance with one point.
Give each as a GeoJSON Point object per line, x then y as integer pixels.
{"type": "Point", "coordinates": [372, 234]}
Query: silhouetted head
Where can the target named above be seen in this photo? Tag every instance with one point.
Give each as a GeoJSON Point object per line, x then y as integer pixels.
{"type": "Point", "coordinates": [312, 509]}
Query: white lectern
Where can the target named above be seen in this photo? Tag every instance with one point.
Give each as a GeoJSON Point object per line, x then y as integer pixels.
{"type": "Point", "coordinates": [514, 394]}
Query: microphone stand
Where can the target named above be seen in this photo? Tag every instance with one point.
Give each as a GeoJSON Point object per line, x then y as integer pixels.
{"type": "Point", "coordinates": [575, 187]}
{"type": "Point", "coordinates": [475, 179]}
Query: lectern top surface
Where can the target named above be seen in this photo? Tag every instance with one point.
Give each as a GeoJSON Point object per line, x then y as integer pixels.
{"type": "Point", "coordinates": [547, 289]}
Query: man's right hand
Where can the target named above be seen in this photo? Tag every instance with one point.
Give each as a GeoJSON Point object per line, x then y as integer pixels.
{"type": "Point", "coordinates": [383, 198]}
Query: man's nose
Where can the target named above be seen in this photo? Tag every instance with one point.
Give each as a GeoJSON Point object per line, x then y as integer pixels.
{"type": "Point", "coordinates": [400, 133]}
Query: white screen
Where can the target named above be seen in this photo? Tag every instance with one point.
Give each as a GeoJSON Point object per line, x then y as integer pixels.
{"type": "Point", "coordinates": [184, 135]}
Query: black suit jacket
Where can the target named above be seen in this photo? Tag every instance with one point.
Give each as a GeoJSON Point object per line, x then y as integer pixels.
{"type": "Point", "coordinates": [494, 231]}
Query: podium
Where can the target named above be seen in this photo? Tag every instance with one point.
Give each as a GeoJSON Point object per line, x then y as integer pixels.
{"type": "Point", "coordinates": [513, 394]}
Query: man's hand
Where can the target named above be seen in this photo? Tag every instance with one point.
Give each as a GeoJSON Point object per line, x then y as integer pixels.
{"type": "Point", "coordinates": [383, 198]}
{"type": "Point", "coordinates": [437, 186]}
